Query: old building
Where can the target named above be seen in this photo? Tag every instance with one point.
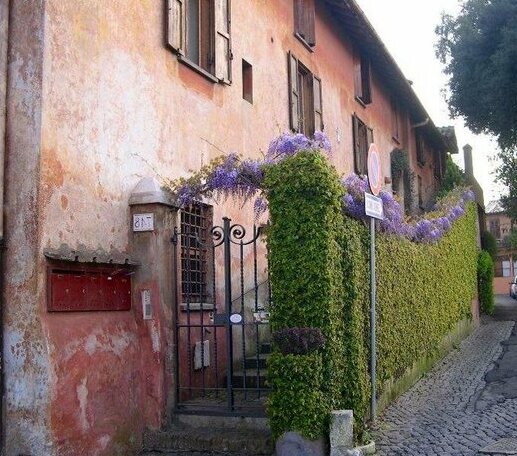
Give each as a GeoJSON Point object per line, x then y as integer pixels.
{"type": "Point", "coordinates": [106, 100]}
{"type": "Point", "coordinates": [500, 225]}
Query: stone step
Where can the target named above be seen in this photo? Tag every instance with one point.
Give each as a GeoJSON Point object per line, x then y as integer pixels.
{"type": "Point", "coordinates": [251, 380]}
{"type": "Point", "coordinates": [265, 347]}
{"type": "Point", "coordinates": [245, 442]}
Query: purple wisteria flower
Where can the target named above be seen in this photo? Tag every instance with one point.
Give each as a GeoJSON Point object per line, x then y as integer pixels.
{"type": "Point", "coordinates": [321, 141]}
{"type": "Point", "coordinates": [423, 231]}
{"type": "Point", "coordinates": [288, 144]}
{"type": "Point", "coordinates": [232, 176]}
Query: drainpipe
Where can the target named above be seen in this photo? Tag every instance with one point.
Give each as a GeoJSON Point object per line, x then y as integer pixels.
{"type": "Point", "coordinates": [421, 124]}
{"type": "Point", "coordinates": [4, 39]}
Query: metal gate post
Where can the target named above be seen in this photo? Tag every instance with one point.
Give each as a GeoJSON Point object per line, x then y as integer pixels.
{"type": "Point", "coordinates": [228, 309]}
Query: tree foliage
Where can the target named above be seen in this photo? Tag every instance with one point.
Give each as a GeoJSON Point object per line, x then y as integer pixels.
{"type": "Point", "coordinates": [507, 176]}
{"type": "Point", "coordinates": [454, 177]}
{"type": "Point", "coordinates": [510, 241]}
{"type": "Point", "coordinates": [489, 244]}
{"type": "Point", "coordinates": [479, 51]}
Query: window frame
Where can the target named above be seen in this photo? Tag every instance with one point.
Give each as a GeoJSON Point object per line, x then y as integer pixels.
{"type": "Point", "coordinates": [218, 67]}
{"type": "Point", "coordinates": [420, 148]}
{"type": "Point", "coordinates": [304, 12]}
{"type": "Point", "coordinates": [202, 297]}
{"type": "Point", "coordinates": [362, 79]}
{"type": "Point", "coordinates": [305, 98]}
{"type": "Point", "coordinates": [362, 137]}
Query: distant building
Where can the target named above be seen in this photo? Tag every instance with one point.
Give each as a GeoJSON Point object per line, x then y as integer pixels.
{"type": "Point", "coordinates": [500, 225]}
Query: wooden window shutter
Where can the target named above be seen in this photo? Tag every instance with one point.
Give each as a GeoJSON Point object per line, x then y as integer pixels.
{"type": "Point", "coordinates": [369, 137]}
{"type": "Point", "coordinates": [366, 94]}
{"type": "Point", "coordinates": [176, 25]}
{"type": "Point", "coordinates": [357, 77]}
{"type": "Point", "coordinates": [298, 16]}
{"type": "Point", "coordinates": [357, 144]}
{"type": "Point", "coordinates": [223, 48]}
{"type": "Point", "coordinates": [318, 104]}
{"type": "Point", "coordinates": [310, 19]}
{"type": "Point", "coordinates": [304, 20]}
{"type": "Point", "coordinates": [294, 93]}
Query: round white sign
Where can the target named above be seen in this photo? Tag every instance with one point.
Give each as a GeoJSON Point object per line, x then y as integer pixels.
{"type": "Point", "coordinates": [374, 170]}
{"type": "Point", "coordinates": [236, 318]}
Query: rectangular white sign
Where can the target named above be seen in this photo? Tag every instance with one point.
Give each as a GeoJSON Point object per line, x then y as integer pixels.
{"type": "Point", "coordinates": [147, 309]}
{"type": "Point", "coordinates": [143, 222]}
{"type": "Point", "coordinates": [373, 206]}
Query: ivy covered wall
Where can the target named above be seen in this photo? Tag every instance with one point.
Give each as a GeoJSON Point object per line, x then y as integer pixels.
{"type": "Point", "coordinates": [319, 278]}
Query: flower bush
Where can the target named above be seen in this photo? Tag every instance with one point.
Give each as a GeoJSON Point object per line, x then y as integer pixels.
{"type": "Point", "coordinates": [232, 175]}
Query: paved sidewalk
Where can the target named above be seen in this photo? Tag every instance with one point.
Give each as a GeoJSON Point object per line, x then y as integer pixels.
{"type": "Point", "coordinates": [448, 412]}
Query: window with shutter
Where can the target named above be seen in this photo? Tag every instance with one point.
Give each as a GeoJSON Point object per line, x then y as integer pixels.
{"type": "Point", "coordinates": [305, 98]}
{"type": "Point", "coordinates": [362, 137]}
{"type": "Point", "coordinates": [420, 148]}
{"type": "Point", "coordinates": [363, 91]}
{"type": "Point", "coordinates": [304, 21]}
{"type": "Point", "coordinates": [395, 121]}
{"type": "Point", "coordinates": [199, 32]}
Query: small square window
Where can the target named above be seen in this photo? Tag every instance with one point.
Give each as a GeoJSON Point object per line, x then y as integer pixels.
{"type": "Point", "coordinates": [247, 81]}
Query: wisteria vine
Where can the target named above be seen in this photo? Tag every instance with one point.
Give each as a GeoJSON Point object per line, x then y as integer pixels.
{"type": "Point", "coordinates": [232, 175]}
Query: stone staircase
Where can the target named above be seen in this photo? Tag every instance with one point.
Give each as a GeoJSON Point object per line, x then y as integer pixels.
{"type": "Point", "coordinates": [237, 436]}
{"type": "Point", "coordinates": [220, 435]}
{"type": "Point", "coordinates": [254, 373]}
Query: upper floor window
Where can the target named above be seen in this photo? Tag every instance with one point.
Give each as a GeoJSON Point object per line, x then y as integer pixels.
{"type": "Point", "coordinates": [305, 101]}
{"type": "Point", "coordinates": [304, 21]}
{"type": "Point", "coordinates": [363, 90]}
{"type": "Point", "coordinates": [420, 148]}
{"type": "Point", "coordinates": [495, 228]}
{"type": "Point", "coordinates": [199, 32]}
{"type": "Point", "coordinates": [363, 137]}
{"type": "Point", "coordinates": [395, 121]}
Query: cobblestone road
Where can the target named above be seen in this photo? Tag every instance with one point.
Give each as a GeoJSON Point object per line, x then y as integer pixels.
{"type": "Point", "coordinates": [448, 412]}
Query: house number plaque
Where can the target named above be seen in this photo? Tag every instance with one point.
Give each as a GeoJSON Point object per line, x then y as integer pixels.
{"type": "Point", "coordinates": [143, 222]}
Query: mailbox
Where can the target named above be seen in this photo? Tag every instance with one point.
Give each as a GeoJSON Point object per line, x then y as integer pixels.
{"type": "Point", "coordinates": [80, 287]}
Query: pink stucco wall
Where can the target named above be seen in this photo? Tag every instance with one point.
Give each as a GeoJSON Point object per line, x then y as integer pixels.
{"type": "Point", "coordinates": [100, 103]}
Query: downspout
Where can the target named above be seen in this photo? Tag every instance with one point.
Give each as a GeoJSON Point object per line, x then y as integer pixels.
{"type": "Point", "coordinates": [421, 124]}
{"type": "Point", "coordinates": [4, 39]}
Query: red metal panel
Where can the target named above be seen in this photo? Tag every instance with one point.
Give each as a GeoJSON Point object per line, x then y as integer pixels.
{"type": "Point", "coordinates": [88, 289]}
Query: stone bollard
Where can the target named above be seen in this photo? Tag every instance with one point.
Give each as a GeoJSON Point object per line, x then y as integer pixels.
{"type": "Point", "coordinates": [341, 432]}
{"type": "Point", "coordinates": [293, 444]}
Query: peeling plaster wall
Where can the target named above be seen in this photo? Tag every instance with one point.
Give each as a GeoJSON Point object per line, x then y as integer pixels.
{"type": "Point", "coordinates": [96, 103]}
{"type": "Point", "coordinates": [26, 350]}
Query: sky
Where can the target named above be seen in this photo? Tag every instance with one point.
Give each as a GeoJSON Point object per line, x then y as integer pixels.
{"type": "Point", "coordinates": [407, 29]}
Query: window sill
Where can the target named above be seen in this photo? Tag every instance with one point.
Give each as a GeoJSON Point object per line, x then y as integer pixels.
{"type": "Point", "coordinates": [197, 68]}
{"type": "Point", "coordinates": [361, 101]}
{"type": "Point", "coordinates": [305, 44]}
{"type": "Point", "coordinates": [197, 307]}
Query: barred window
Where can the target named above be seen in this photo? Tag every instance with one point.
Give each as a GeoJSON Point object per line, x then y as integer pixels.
{"type": "Point", "coordinates": [196, 221]}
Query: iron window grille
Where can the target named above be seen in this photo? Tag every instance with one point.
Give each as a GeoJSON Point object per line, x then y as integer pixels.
{"type": "Point", "coordinates": [196, 222]}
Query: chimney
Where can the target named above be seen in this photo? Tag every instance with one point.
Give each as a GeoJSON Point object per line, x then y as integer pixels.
{"type": "Point", "coordinates": [467, 156]}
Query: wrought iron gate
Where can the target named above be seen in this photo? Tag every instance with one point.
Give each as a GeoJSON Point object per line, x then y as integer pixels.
{"type": "Point", "coordinates": [222, 329]}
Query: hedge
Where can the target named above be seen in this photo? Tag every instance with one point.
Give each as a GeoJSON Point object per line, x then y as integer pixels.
{"type": "Point", "coordinates": [304, 236]}
{"type": "Point", "coordinates": [318, 260]}
{"type": "Point", "coordinates": [485, 282]}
